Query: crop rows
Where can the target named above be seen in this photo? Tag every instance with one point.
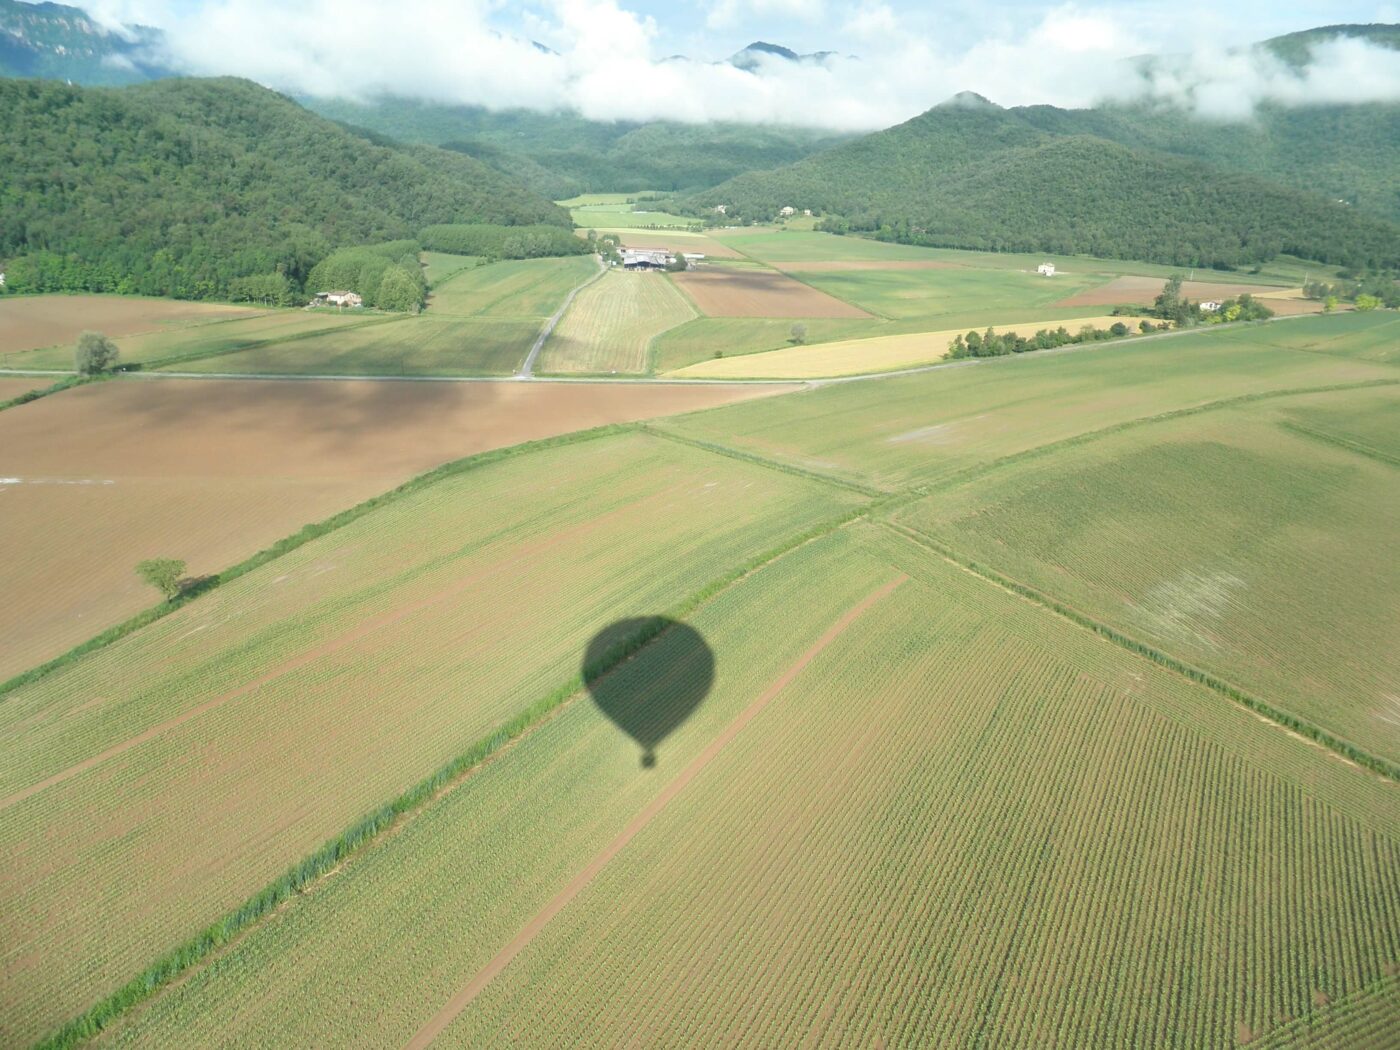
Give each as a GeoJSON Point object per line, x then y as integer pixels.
{"type": "Point", "coordinates": [456, 883]}
{"type": "Point", "coordinates": [1241, 585]}
{"type": "Point", "coordinates": [305, 694]}
{"type": "Point", "coordinates": [948, 835]}
{"type": "Point", "coordinates": [610, 325]}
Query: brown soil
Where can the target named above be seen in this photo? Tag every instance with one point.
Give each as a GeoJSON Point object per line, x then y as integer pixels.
{"type": "Point", "coordinates": [1142, 290]}
{"type": "Point", "coordinates": [839, 265]}
{"type": "Point", "coordinates": [425, 1036]}
{"type": "Point", "coordinates": [211, 471]}
{"type": "Point", "coordinates": [759, 293]}
{"type": "Point", "coordinates": [29, 322]}
{"type": "Point", "coordinates": [10, 388]}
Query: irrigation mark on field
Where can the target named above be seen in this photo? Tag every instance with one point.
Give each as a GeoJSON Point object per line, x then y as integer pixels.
{"type": "Point", "coordinates": [527, 369]}
{"type": "Point", "coordinates": [459, 1002]}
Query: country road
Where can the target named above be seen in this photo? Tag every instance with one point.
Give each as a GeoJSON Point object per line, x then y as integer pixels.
{"type": "Point", "coordinates": [527, 370]}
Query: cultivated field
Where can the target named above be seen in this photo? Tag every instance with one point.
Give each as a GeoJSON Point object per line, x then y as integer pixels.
{"type": "Point", "coordinates": [1086, 736]}
{"type": "Point", "coordinates": [941, 425]}
{"type": "Point", "coordinates": [12, 388]}
{"type": "Point", "coordinates": [223, 469]}
{"type": "Point", "coordinates": [438, 266]}
{"type": "Point", "coordinates": [930, 295]}
{"type": "Point", "coordinates": [361, 662]}
{"type": "Point", "coordinates": [1142, 290]}
{"type": "Point", "coordinates": [907, 722]}
{"type": "Point", "coordinates": [610, 325]}
{"type": "Point", "coordinates": [33, 321]}
{"type": "Point", "coordinates": [855, 356]}
{"type": "Point", "coordinates": [431, 344]}
{"type": "Point", "coordinates": [1273, 581]}
{"type": "Point", "coordinates": [515, 288]}
{"type": "Point", "coordinates": [706, 337]}
{"type": "Point", "coordinates": [758, 293]}
{"type": "Point", "coordinates": [676, 240]}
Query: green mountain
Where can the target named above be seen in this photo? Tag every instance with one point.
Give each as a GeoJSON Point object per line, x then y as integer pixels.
{"type": "Point", "coordinates": [178, 187]}
{"type": "Point", "coordinates": [970, 174]}
{"type": "Point", "coordinates": [563, 154]}
{"type": "Point", "coordinates": [58, 42]}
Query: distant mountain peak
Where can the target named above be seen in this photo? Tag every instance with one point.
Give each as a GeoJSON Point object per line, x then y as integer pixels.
{"type": "Point", "coordinates": [752, 56]}
{"type": "Point", "coordinates": [968, 100]}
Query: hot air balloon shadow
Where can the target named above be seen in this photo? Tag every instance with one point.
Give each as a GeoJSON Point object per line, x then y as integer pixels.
{"type": "Point", "coordinates": [649, 695]}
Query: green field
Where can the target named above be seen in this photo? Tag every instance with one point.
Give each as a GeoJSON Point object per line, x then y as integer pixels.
{"type": "Point", "coordinates": [1054, 705]}
{"type": "Point", "coordinates": [185, 344]}
{"type": "Point", "coordinates": [941, 297]}
{"type": "Point", "coordinates": [704, 337]}
{"type": "Point", "coordinates": [481, 320]}
{"type": "Point", "coordinates": [438, 266]}
{"type": "Point", "coordinates": [611, 324]}
{"type": "Point", "coordinates": [444, 616]}
{"type": "Point", "coordinates": [599, 211]}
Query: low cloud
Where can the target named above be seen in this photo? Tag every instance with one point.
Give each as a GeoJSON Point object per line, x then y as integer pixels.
{"type": "Point", "coordinates": [603, 61]}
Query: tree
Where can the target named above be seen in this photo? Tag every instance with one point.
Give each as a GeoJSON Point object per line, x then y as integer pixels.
{"type": "Point", "coordinates": [1329, 304]}
{"type": "Point", "coordinates": [164, 574]}
{"type": "Point", "coordinates": [1119, 328]}
{"type": "Point", "coordinates": [1367, 302]}
{"type": "Point", "coordinates": [94, 354]}
{"type": "Point", "coordinates": [397, 291]}
{"type": "Point", "coordinates": [797, 334]}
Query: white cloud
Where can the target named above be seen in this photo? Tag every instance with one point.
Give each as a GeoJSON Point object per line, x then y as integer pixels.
{"type": "Point", "coordinates": [606, 67]}
{"type": "Point", "coordinates": [726, 13]}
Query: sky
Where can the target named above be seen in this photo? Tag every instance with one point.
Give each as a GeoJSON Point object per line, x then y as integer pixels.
{"type": "Point", "coordinates": [611, 59]}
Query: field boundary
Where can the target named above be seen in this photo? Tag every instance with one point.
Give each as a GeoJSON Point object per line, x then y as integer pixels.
{"type": "Point", "coordinates": [302, 536]}
{"type": "Point", "coordinates": [1340, 746]}
{"type": "Point", "coordinates": [576, 885]}
{"type": "Point", "coordinates": [72, 379]}
{"type": "Point", "coordinates": [1339, 442]}
{"type": "Point", "coordinates": [258, 344]}
{"type": "Point", "coordinates": [773, 464]}
{"type": "Point", "coordinates": [173, 965]}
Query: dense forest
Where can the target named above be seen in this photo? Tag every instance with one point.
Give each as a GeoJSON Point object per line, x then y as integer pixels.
{"type": "Point", "coordinates": [183, 187]}
{"type": "Point", "coordinates": [561, 155]}
{"type": "Point", "coordinates": [503, 242]}
{"type": "Point", "coordinates": [969, 174]}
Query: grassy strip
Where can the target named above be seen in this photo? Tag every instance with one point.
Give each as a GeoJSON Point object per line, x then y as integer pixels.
{"type": "Point", "coordinates": [305, 535]}
{"type": "Point", "coordinates": [1251, 703]}
{"type": "Point", "coordinates": [981, 469]}
{"type": "Point", "coordinates": [360, 835]}
{"type": "Point", "coordinates": [44, 391]}
{"type": "Point", "coordinates": [258, 344]}
{"type": "Point", "coordinates": [772, 464]}
{"type": "Point", "coordinates": [1342, 443]}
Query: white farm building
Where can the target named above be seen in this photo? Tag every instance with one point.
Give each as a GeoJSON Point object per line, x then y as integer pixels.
{"type": "Point", "coordinates": [1046, 269]}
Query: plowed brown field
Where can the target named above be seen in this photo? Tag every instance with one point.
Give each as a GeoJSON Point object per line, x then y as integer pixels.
{"type": "Point", "coordinates": [211, 471]}
{"type": "Point", "coordinates": [13, 387]}
{"type": "Point", "coordinates": [1144, 289]}
{"type": "Point", "coordinates": [28, 322]}
{"type": "Point", "coordinates": [759, 293]}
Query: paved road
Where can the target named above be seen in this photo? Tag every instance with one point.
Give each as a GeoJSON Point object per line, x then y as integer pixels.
{"type": "Point", "coordinates": [527, 370]}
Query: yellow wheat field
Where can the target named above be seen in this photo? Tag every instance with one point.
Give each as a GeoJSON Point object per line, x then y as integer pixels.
{"type": "Point", "coordinates": [884, 353]}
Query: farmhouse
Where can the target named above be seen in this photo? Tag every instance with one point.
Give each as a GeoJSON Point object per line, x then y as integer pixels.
{"type": "Point", "coordinates": [340, 298]}
{"type": "Point", "coordinates": [1046, 269]}
{"type": "Point", "coordinates": [646, 258]}
{"type": "Point", "coordinates": [1210, 306]}
{"type": "Point", "coordinates": [787, 211]}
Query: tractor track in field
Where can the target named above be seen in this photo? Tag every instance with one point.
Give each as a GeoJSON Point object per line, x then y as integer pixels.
{"type": "Point", "coordinates": [522, 940]}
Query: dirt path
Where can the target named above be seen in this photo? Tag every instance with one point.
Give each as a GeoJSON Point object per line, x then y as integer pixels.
{"type": "Point", "coordinates": [459, 1002]}
{"type": "Point", "coordinates": [527, 370]}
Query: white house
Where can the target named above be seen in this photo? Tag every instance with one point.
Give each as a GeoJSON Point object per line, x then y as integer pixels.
{"type": "Point", "coordinates": [1046, 269]}
{"type": "Point", "coordinates": [340, 298]}
{"type": "Point", "coordinates": [722, 209]}
{"type": "Point", "coordinates": [1210, 306]}
{"type": "Point", "coordinates": [787, 211]}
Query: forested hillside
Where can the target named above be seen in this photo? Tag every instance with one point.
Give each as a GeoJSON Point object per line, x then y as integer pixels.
{"type": "Point", "coordinates": [62, 43]}
{"type": "Point", "coordinates": [563, 154]}
{"type": "Point", "coordinates": [970, 174]}
{"type": "Point", "coordinates": [179, 187]}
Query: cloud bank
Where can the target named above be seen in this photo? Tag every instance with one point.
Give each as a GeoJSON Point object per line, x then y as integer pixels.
{"type": "Point", "coordinates": [603, 61]}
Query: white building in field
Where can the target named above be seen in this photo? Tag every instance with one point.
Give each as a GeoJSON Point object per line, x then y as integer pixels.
{"type": "Point", "coordinates": [340, 298]}
{"type": "Point", "coordinates": [646, 258]}
{"type": "Point", "coordinates": [1046, 269]}
{"type": "Point", "coordinates": [1210, 306]}
{"type": "Point", "coordinates": [787, 211]}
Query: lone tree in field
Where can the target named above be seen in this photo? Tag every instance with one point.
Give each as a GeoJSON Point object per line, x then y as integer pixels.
{"type": "Point", "coordinates": [164, 574]}
{"type": "Point", "coordinates": [797, 334]}
{"type": "Point", "coordinates": [94, 354]}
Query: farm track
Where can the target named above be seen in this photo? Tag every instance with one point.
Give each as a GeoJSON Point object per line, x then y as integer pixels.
{"type": "Point", "coordinates": [425, 1036]}
{"type": "Point", "coordinates": [527, 368]}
